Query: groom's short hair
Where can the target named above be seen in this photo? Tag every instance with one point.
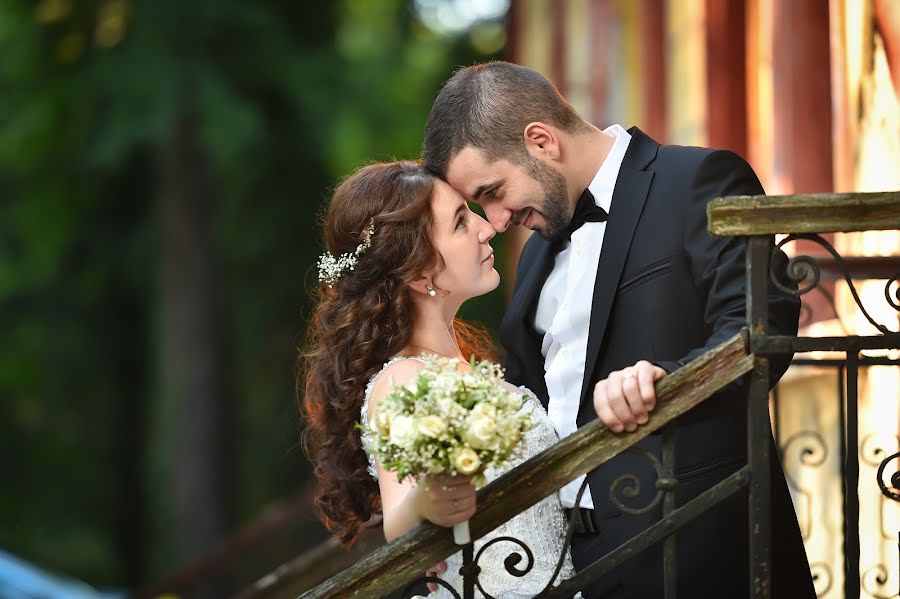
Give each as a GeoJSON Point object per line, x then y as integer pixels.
{"type": "Point", "coordinates": [487, 106]}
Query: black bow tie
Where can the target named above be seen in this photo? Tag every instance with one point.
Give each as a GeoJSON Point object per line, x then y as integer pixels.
{"type": "Point", "coordinates": [586, 211]}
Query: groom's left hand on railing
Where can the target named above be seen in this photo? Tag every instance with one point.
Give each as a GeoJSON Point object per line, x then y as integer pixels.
{"type": "Point", "coordinates": [435, 570]}
{"type": "Point", "coordinates": [625, 398]}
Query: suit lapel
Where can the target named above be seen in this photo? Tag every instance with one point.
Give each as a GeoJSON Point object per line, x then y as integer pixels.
{"type": "Point", "coordinates": [629, 196]}
{"type": "Point", "coordinates": [517, 328]}
{"type": "Point", "coordinates": [528, 289]}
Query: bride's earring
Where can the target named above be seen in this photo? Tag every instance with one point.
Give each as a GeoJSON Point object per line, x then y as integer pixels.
{"type": "Point", "coordinates": [431, 291]}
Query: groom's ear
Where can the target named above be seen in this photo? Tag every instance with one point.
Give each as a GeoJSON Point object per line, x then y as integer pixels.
{"type": "Point", "coordinates": [541, 141]}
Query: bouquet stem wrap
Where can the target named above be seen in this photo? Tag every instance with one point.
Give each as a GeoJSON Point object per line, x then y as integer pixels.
{"type": "Point", "coordinates": [461, 534]}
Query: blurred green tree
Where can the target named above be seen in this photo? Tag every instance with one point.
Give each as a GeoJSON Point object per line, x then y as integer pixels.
{"type": "Point", "coordinates": [162, 166]}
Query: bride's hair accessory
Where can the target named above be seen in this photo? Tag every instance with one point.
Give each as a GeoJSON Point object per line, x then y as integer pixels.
{"type": "Point", "coordinates": [331, 269]}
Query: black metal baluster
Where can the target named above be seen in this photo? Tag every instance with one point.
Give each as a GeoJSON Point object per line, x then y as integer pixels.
{"type": "Point", "coordinates": [668, 483]}
{"type": "Point", "coordinates": [470, 571]}
{"type": "Point", "coordinates": [851, 481]}
{"type": "Point", "coordinates": [758, 250]}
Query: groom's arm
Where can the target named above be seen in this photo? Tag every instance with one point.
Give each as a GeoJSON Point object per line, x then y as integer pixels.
{"type": "Point", "coordinates": [718, 265]}
{"type": "Point", "coordinates": [624, 398]}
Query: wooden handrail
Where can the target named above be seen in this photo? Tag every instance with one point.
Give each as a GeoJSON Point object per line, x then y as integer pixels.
{"type": "Point", "coordinates": [406, 558]}
{"type": "Point", "coordinates": [809, 213]}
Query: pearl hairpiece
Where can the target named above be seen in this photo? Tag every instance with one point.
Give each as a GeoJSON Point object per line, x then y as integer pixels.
{"type": "Point", "coordinates": [331, 269]}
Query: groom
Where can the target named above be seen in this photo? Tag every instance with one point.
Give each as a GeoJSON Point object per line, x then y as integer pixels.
{"type": "Point", "coordinates": [621, 285]}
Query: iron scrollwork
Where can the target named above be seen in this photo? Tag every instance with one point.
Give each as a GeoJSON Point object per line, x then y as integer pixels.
{"type": "Point", "coordinates": [871, 450]}
{"type": "Point", "coordinates": [510, 563]}
{"type": "Point", "coordinates": [812, 453]}
{"type": "Point", "coordinates": [822, 578]}
{"type": "Point", "coordinates": [892, 492]}
{"type": "Point", "coordinates": [893, 301]}
{"type": "Point", "coordinates": [629, 486]}
{"type": "Point", "coordinates": [805, 272]}
{"type": "Point", "coordinates": [799, 269]}
{"type": "Point", "coordinates": [874, 578]}
{"type": "Point", "coordinates": [471, 571]}
{"type": "Point", "coordinates": [411, 588]}
{"type": "Point", "coordinates": [567, 542]}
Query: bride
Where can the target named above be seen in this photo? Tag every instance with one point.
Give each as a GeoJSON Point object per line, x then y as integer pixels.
{"type": "Point", "coordinates": [404, 252]}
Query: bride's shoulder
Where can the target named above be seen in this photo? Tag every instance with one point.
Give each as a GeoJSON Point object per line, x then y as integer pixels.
{"type": "Point", "coordinates": [510, 387]}
{"type": "Point", "coordinates": [397, 371]}
{"type": "Point", "coordinates": [514, 389]}
{"type": "Point", "coordinates": [523, 391]}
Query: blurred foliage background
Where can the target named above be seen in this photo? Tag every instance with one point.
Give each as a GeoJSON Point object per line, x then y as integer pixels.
{"type": "Point", "coordinates": [162, 166]}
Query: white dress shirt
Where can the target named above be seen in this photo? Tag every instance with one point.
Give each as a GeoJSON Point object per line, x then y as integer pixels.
{"type": "Point", "coordinates": [563, 312]}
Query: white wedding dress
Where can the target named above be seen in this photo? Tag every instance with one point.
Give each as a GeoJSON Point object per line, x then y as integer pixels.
{"type": "Point", "coordinates": [542, 527]}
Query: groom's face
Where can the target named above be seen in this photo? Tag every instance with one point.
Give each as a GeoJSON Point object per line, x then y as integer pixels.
{"type": "Point", "coordinates": [532, 194]}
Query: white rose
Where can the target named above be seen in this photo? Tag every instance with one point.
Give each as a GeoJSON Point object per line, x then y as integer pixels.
{"type": "Point", "coordinates": [466, 461]}
{"type": "Point", "coordinates": [402, 431]}
{"type": "Point", "coordinates": [431, 426]}
{"type": "Point", "coordinates": [449, 408]}
{"type": "Point", "coordinates": [481, 433]}
{"type": "Point", "coordinates": [483, 408]}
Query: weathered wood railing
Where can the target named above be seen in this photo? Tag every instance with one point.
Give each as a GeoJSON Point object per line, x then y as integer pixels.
{"type": "Point", "coordinates": [755, 217]}
{"type": "Point", "coordinates": [807, 213]}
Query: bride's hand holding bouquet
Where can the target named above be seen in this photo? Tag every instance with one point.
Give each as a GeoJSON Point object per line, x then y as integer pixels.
{"type": "Point", "coordinates": [445, 499]}
{"type": "Point", "coordinates": [446, 429]}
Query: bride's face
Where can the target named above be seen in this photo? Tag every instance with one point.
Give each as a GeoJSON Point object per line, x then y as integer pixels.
{"type": "Point", "coordinates": [463, 239]}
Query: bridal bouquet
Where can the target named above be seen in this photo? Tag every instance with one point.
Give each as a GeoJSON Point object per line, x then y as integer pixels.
{"type": "Point", "coordinates": [449, 422]}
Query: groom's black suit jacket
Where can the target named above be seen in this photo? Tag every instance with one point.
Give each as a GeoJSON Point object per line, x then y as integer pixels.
{"type": "Point", "coordinates": [667, 291]}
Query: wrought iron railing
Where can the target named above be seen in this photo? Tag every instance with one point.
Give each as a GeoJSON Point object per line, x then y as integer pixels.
{"type": "Point", "coordinates": [401, 563]}
{"type": "Point", "coordinates": [807, 447]}
{"type": "Point", "coordinates": [810, 449]}
{"type": "Point", "coordinates": [805, 218]}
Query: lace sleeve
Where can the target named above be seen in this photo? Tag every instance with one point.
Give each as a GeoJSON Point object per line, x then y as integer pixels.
{"type": "Point", "coordinates": [364, 411]}
{"type": "Point", "coordinates": [364, 420]}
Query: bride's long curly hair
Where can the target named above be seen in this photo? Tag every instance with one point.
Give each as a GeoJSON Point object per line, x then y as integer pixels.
{"type": "Point", "coordinates": [359, 323]}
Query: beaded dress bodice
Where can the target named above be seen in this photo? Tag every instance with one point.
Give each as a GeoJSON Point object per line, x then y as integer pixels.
{"type": "Point", "coordinates": [541, 527]}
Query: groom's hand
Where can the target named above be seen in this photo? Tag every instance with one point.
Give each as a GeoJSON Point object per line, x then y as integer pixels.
{"type": "Point", "coordinates": [435, 570]}
{"type": "Point", "coordinates": [625, 398]}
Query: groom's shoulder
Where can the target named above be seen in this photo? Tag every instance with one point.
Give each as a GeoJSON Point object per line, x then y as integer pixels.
{"type": "Point", "coordinates": [682, 157]}
{"type": "Point", "coordinates": [692, 158]}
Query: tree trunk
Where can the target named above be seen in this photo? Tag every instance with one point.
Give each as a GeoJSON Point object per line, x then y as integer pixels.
{"type": "Point", "coordinates": [195, 411]}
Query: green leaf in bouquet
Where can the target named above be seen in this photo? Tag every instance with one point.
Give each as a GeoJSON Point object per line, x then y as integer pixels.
{"type": "Point", "coordinates": [422, 385]}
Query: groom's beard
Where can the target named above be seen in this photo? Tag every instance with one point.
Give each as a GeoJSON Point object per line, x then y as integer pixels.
{"type": "Point", "coordinates": [555, 206]}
